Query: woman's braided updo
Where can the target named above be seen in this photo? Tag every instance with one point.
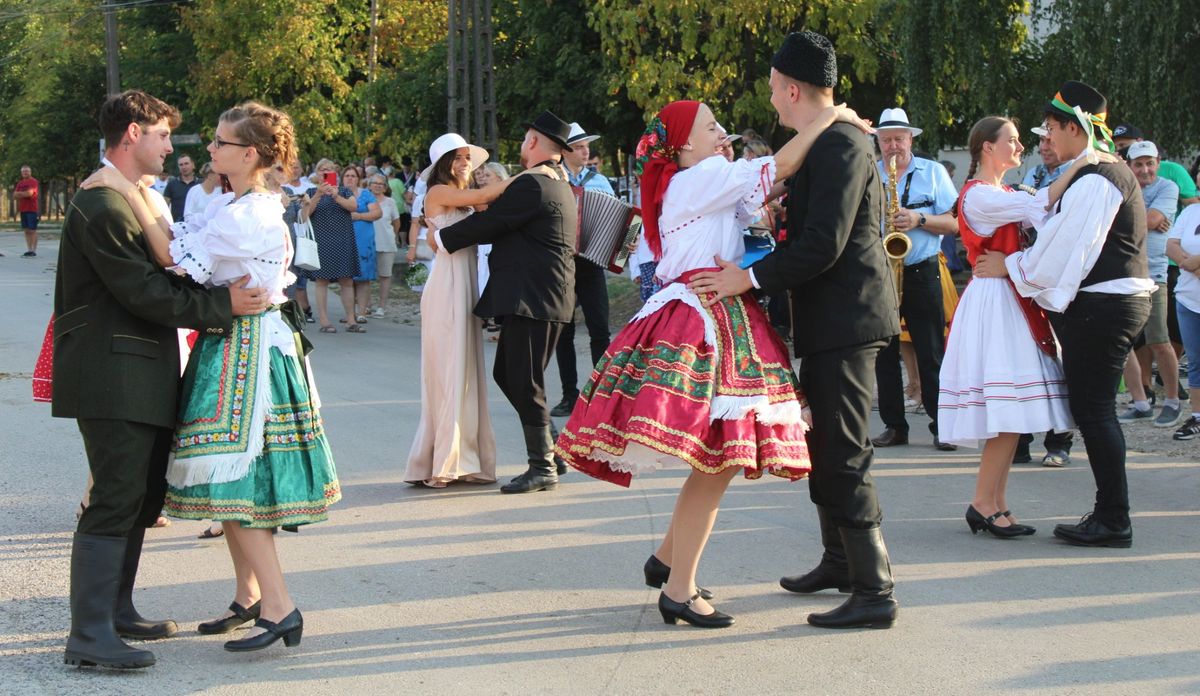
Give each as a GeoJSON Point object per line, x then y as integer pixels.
{"type": "Point", "coordinates": [268, 130]}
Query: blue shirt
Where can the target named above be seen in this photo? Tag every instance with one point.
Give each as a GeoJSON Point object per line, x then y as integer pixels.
{"type": "Point", "coordinates": [1040, 177]}
{"type": "Point", "coordinates": [924, 187]}
{"type": "Point", "coordinates": [595, 182]}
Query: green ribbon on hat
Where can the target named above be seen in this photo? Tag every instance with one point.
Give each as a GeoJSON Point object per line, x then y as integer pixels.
{"type": "Point", "coordinates": [1086, 121]}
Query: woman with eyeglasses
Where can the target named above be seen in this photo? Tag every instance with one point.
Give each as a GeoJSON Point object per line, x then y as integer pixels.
{"type": "Point", "coordinates": [387, 226]}
{"type": "Point", "coordinates": [329, 212]}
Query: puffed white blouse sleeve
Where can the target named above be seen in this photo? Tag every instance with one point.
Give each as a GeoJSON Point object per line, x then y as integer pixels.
{"type": "Point", "coordinates": [989, 207]}
{"type": "Point", "coordinates": [716, 182]}
{"type": "Point", "coordinates": [246, 237]}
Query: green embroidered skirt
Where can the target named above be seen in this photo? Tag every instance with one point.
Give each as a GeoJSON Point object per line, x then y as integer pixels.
{"type": "Point", "coordinates": [249, 445]}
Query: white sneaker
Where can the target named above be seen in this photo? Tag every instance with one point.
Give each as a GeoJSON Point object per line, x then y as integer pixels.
{"type": "Point", "coordinates": [378, 313]}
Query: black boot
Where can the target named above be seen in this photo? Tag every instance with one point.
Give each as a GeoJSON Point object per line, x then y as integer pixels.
{"type": "Point", "coordinates": [560, 465]}
{"type": "Point", "coordinates": [541, 475]}
{"type": "Point", "coordinates": [95, 577]}
{"type": "Point", "coordinates": [129, 622]}
{"type": "Point", "coordinates": [832, 572]}
{"type": "Point", "coordinates": [871, 604]}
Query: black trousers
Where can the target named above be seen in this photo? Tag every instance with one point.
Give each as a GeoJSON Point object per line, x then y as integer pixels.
{"type": "Point", "coordinates": [1053, 442]}
{"type": "Point", "coordinates": [838, 386]}
{"type": "Point", "coordinates": [1096, 333]}
{"type": "Point", "coordinates": [129, 475]}
{"type": "Point", "coordinates": [522, 355]}
{"type": "Point", "coordinates": [926, 321]}
{"type": "Point", "coordinates": [591, 295]}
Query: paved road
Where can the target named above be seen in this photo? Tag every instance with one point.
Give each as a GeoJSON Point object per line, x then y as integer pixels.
{"type": "Point", "coordinates": [469, 591]}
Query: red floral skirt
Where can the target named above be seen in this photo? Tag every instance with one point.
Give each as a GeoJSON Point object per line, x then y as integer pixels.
{"type": "Point", "coordinates": [711, 388]}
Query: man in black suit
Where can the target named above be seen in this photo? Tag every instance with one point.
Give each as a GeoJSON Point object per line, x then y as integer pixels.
{"type": "Point", "coordinates": [531, 228]}
{"type": "Point", "coordinates": [844, 312]}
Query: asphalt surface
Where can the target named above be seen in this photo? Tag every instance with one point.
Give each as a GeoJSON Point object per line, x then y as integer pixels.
{"type": "Point", "coordinates": [465, 590]}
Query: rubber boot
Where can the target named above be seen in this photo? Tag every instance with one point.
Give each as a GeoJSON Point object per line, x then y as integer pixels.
{"type": "Point", "coordinates": [129, 623]}
{"type": "Point", "coordinates": [871, 604]}
{"type": "Point", "coordinates": [540, 476]}
{"type": "Point", "coordinates": [832, 573]}
{"type": "Point", "coordinates": [95, 577]}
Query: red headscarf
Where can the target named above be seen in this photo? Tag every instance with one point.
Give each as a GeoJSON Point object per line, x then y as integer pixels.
{"type": "Point", "coordinates": [656, 152]}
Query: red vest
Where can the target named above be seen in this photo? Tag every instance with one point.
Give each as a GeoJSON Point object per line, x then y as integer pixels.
{"type": "Point", "coordinates": [1006, 239]}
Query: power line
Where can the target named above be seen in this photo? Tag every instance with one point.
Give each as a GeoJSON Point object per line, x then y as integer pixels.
{"type": "Point", "coordinates": [92, 9]}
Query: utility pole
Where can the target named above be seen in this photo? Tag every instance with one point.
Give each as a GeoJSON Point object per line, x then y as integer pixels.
{"type": "Point", "coordinates": [374, 56]}
{"type": "Point", "coordinates": [111, 48]}
{"type": "Point", "coordinates": [470, 94]}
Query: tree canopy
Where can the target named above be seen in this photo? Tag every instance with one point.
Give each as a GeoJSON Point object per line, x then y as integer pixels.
{"type": "Point", "coordinates": [605, 63]}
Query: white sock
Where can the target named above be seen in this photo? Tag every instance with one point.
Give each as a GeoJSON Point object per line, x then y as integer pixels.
{"type": "Point", "coordinates": [1142, 406]}
{"type": "Point", "coordinates": [1171, 403]}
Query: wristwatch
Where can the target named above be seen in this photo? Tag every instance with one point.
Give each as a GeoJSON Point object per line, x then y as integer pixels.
{"type": "Point", "coordinates": [921, 220]}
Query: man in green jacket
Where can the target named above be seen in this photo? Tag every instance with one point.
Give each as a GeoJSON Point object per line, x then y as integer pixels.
{"type": "Point", "coordinates": [116, 371]}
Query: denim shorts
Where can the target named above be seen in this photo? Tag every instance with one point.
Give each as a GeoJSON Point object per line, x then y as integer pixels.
{"type": "Point", "coordinates": [1189, 327]}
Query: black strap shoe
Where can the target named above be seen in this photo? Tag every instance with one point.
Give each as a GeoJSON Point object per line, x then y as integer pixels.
{"type": "Point", "coordinates": [290, 629]}
{"type": "Point", "coordinates": [241, 615]}
{"type": "Point", "coordinates": [657, 573]}
{"type": "Point", "coordinates": [673, 611]}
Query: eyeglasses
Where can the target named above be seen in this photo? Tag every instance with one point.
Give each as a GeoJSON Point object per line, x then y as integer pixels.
{"type": "Point", "coordinates": [218, 143]}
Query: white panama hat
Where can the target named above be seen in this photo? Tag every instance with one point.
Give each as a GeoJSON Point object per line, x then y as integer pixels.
{"type": "Point", "coordinates": [579, 135]}
{"type": "Point", "coordinates": [892, 119]}
{"type": "Point", "coordinates": [448, 143]}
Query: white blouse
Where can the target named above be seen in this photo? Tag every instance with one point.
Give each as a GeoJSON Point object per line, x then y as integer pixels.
{"type": "Point", "coordinates": [234, 238]}
{"type": "Point", "coordinates": [705, 210]}
{"type": "Point", "coordinates": [1068, 246]}
{"type": "Point", "coordinates": [989, 207]}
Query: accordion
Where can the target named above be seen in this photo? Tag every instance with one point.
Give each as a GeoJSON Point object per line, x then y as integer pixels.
{"type": "Point", "coordinates": [608, 229]}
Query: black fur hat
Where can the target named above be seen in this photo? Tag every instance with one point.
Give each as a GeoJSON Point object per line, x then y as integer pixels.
{"type": "Point", "coordinates": [808, 57]}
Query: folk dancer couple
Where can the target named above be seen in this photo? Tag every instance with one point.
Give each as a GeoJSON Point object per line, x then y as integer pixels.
{"type": "Point", "coordinates": [240, 441]}
{"type": "Point", "coordinates": [699, 377]}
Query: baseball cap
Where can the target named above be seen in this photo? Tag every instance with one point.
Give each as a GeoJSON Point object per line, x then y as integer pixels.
{"type": "Point", "coordinates": [1127, 131]}
{"type": "Point", "coordinates": [1142, 148]}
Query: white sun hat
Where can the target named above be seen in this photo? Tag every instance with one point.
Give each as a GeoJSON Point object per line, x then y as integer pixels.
{"type": "Point", "coordinates": [449, 143]}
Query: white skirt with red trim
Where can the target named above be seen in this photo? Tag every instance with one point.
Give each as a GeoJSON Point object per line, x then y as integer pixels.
{"type": "Point", "coordinates": [994, 378]}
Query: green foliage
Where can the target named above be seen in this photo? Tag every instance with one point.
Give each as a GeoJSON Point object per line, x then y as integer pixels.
{"type": "Point", "coordinates": [296, 55]}
{"type": "Point", "coordinates": [1140, 58]}
{"type": "Point", "coordinates": [719, 51]}
{"type": "Point", "coordinates": [958, 58]}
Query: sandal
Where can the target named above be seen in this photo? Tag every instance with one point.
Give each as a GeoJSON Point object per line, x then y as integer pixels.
{"type": "Point", "coordinates": [355, 328]}
{"type": "Point", "coordinates": [328, 329]}
{"type": "Point", "coordinates": [361, 319]}
{"type": "Point", "coordinates": [211, 534]}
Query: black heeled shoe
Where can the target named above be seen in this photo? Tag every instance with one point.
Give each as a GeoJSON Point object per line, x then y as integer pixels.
{"type": "Point", "coordinates": [657, 574]}
{"type": "Point", "coordinates": [1026, 530]}
{"type": "Point", "coordinates": [240, 616]}
{"type": "Point", "coordinates": [977, 522]}
{"type": "Point", "coordinates": [673, 611]}
{"type": "Point", "coordinates": [290, 630]}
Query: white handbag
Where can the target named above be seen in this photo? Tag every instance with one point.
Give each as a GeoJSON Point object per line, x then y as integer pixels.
{"type": "Point", "coordinates": [307, 258]}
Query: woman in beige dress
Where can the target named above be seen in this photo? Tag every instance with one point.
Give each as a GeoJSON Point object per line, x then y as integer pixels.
{"type": "Point", "coordinates": [454, 440]}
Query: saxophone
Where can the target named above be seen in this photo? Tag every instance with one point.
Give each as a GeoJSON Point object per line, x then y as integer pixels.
{"type": "Point", "coordinates": [895, 244]}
